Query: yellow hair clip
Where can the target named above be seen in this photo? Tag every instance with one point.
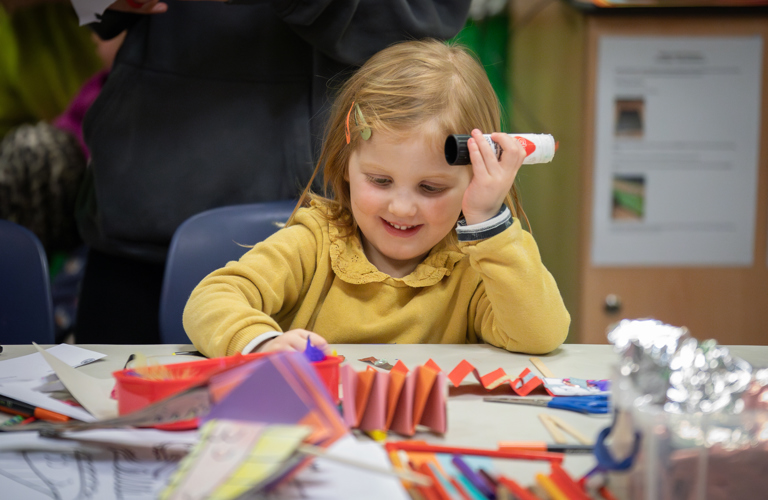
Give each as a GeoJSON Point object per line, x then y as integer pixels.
{"type": "Point", "coordinates": [365, 133]}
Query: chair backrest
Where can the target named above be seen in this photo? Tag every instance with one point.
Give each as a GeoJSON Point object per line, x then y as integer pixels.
{"type": "Point", "coordinates": [26, 306]}
{"type": "Point", "coordinates": [205, 242]}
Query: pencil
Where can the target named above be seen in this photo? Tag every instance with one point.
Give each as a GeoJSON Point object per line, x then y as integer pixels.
{"type": "Point", "coordinates": [550, 487]}
{"type": "Point", "coordinates": [15, 407]}
{"type": "Point", "coordinates": [16, 419]}
{"type": "Point", "coordinates": [566, 484]}
{"type": "Point", "coordinates": [518, 491]}
{"type": "Point", "coordinates": [474, 478]}
{"type": "Point", "coordinates": [457, 450]}
{"type": "Point", "coordinates": [543, 446]}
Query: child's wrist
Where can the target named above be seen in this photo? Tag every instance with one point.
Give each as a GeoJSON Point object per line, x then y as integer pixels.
{"type": "Point", "coordinates": [483, 230]}
{"type": "Point", "coordinates": [259, 342]}
{"type": "Point", "coordinates": [477, 219]}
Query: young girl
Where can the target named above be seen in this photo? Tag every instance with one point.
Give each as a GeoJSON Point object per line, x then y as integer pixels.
{"type": "Point", "coordinates": [404, 248]}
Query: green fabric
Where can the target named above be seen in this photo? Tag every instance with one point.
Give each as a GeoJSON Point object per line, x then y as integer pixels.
{"type": "Point", "coordinates": [45, 57]}
{"type": "Point", "coordinates": [488, 38]}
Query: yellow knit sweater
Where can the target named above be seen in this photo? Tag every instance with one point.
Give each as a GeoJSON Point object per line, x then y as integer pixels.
{"type": "Point", "coordinates": [308, 276]}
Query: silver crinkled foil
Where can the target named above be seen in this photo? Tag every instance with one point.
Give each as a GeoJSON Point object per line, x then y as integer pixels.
{"type": "Point", "coordinates": [669, 367]}
{"type": "Point", "coordinates": [646, 347]}
{"type": "Point", "coordinates": [706, 378]}
{"type": "Point", "coordinates": [702, 414]}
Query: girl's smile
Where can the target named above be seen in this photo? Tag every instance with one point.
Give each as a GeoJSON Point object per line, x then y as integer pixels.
{"type": "Point", "coordinates": [405, 198]}
{"type": "Point", "coordinates": [400, 230]}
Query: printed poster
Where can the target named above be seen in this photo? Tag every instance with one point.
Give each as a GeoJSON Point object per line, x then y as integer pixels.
{"type": "Point", "coordinates": [676, 150]}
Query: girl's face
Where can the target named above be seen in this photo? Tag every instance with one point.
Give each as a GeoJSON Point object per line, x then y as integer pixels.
{"type": "Point", "coordinates": [405, 199]}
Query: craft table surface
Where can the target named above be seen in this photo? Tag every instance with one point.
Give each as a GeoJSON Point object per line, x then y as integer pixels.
{"type": "Point", "coordinates": [471, 421]}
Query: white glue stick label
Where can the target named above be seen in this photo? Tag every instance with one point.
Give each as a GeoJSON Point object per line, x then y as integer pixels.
{"type": "Point", "coordinates": [540, 147]}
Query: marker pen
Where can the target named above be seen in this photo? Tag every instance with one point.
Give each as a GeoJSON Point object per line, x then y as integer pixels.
{"type": "Point", "coordinates": [15, 407]}
{"type": "Point", "coordinates": [540, 148]}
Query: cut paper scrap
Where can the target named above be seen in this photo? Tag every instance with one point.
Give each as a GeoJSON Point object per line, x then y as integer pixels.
{"type": "Point", "coordinates": [282, 388]}
{"type": "Point", "coordinates": [522, 385]}
{"type": "Point", "coordinates": [365, 384]}
{"type": "Point", "coordinates": [576, 386]}
{"type": "Point", "coordinates": [397, 378]}
{"type": "Point", "coordinates": [235, 457]}
{"type": "Point", "coordinates": [489, 381]}
{"type": "Point", "coordinates": [399, 400]}
{"type": "Point", "coordinates": [378, 363]}
{"type": "Point", "coordinates": [525, 383]}
{"type": "Point", "coordinates": [92, 393]}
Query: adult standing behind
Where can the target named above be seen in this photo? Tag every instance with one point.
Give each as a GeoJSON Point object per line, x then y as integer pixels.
{"type": "Point", "coordinates": [210, 104]}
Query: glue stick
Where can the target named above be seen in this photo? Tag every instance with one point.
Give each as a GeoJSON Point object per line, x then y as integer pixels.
{"type": "Point", "coordinates": [540, 148]}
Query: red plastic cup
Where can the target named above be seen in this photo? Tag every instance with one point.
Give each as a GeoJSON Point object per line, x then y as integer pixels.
{"type": "Point", "coordinates": [135, 392]}
{"type": "Point", "coordinates": [328, 370]}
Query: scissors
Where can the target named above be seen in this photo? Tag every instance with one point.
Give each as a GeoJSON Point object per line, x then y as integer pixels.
{"type": "Point", "coordinates": [597, 403]}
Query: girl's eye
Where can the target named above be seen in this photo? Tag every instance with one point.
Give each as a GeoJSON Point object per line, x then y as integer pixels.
{"type": "Point", "coordinates": [377, 181]}
{"type": "Point", "coordinates": [432, 189]}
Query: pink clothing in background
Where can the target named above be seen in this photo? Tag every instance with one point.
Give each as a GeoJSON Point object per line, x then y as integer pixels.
{"type": "Point", "coordinates": [72, 119]}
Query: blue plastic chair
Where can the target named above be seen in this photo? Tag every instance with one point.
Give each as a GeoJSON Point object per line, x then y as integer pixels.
{"type": "Point", "coordinates": [206, 242]}
{"type": "Point", "coordinates": [26, 306]}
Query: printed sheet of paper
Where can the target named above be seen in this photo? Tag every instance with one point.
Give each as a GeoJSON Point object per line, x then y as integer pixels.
{"type": "Point", "coordinates": [44, 469]}
{"type": "Point", "coordinates": [676, 150]}
{"type": "Point", "coordinates": [34, 367]}
{"type": "Point", "coordinates": [64, 469]}
{"type": "Point", "coordinates": [20, 378]}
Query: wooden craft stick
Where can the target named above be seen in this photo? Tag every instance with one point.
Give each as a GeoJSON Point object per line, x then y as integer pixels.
{"type": "Point", "coordinates": [403, 474]}
{"type": "Point", "coordinates": [539, 364]}
{"type": "Point", "coordinates": [581, 438]}
{"type": "Point", "coordinates": [552, 428]}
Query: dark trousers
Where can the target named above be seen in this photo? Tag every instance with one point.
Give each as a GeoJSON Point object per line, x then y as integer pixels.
{"type": "Point", "coordinates": [119, 301]}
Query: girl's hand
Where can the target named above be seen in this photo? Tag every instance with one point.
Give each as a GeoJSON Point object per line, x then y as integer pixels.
{"type": "Point", "coordinates": [295, 340]}
{"type": "Point", "coordinates": [492, 179]}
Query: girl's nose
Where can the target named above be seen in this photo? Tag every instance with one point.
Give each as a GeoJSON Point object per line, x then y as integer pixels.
{"type": "Point", "coordinates": [401, 205]}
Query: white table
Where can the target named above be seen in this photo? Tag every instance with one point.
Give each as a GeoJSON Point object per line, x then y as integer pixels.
{"type": "Point", "coordinates": [471, 422]}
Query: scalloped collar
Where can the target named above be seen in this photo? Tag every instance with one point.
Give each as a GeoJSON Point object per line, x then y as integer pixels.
{"type": "Point", "coordinates": [349, 262]}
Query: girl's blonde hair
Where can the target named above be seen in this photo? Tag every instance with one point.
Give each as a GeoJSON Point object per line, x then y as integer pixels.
{"type": "Point", "coordinates": [425, 85]}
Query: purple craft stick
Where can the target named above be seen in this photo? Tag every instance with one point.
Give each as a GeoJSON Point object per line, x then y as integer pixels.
{"type": "Point", "coordinates": [477, 481]}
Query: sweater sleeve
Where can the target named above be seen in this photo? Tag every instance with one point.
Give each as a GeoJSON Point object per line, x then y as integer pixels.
{"type": "Point", "coordinates": [517, 306]}
{"type": "Point", "coordinates": [237, 303]}
{"type": "Point", "coordinates": [350, 31]}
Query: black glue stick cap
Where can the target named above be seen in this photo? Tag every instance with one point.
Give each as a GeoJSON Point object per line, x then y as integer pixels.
{"type": "Point", "coordinates": [456, 151]}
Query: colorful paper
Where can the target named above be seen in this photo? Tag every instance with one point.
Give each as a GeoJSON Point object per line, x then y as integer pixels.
{"type": "Point", "coordinates": [399, 400]}
{"type": "Point", "coordinates": [522, 385]}
{"type": "Point", "coordinates": [234, 457]}
{"type": "Point", "coordinates": [576, 386]}
{"type": "Point", "coordinates": [277, 389]}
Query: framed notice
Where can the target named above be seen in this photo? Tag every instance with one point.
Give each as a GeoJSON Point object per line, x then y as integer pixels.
{"type": "Point", "coordinates": [676, 150]}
